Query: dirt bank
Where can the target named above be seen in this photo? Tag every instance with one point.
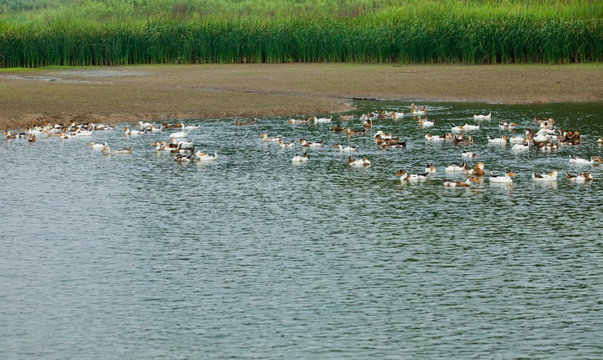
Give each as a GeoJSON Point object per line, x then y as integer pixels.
{"type": "Point", "coordinates": [154, 92]}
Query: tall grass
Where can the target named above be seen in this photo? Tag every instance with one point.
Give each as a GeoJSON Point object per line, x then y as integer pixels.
{"type": "Point", "coordinates": [450, 32]}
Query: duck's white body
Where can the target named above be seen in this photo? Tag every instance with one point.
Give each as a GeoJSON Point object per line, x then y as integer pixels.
{"type": "Point", "coordinates": [552, 176]}
{"type": "Point", "coordinates": [426, 123]}
{"type": "Point", "coordinates": [400, 115]}
{"type": "Point", "coordinates": [322, 120]}
{"type": "Point", "coordinates": [346, 149]}
{"type": "Point", "coordinates": [266, 138]}
{"type": "Point", "coordinates": [506, 179]}
{"type": "Point", "coordinates": [483, 117]}
{"type": "Point", "coordinates": [466, 183]}
{"type": "Point", "coordinates": [430, 169]}
{"type": "Point", "coordinates": [501, 141]}
{"type": "Point", "coordinates": [456, 128]}
{"type": "Point", "coordinates": [107, 150]}
{"type": "Point", "coordinates": [435, 138]}
{"type": "Point", "coordinates": [133, 132]}
{"type": "Point", "coordinates": [579, 178]}
{"type": "Point", "coordinates": [300, 158]}
{"type": "Point", "coordinates": [283, 145]}
{"type": "Point", "coordinates": [516, 139]}
{"type": "Point", "coordinates": [404, 176]}
{"type": "Point", "coordinates": [201, 156]}
{"type": "Point", "coordinates": [359, 162]}
{"type": "Point", "coordinates": [179, 134]}
{"type": "Point", "coordinates": [469, 127]}
{"type": "Point", "coordinates": [593, 160]}
{"type": "Point", "coordinates": [95, 146]}
{"type": "Point", "coordinates": [455, 167]}
{"type": "Point", "coordinates": [520, 147]}
{"type": "Point", "coordinates": [468, 154]}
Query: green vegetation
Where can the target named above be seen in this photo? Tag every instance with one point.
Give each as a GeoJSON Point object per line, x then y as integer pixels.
{"type": "Point", "coordinates": [112, 32]}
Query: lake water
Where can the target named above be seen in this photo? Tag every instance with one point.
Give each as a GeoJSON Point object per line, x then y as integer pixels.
{"type": "Point", "coordinates": [138, 257]}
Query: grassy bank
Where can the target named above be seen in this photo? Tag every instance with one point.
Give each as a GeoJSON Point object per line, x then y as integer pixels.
{"type": "Point", "coordinates": [467, 32]}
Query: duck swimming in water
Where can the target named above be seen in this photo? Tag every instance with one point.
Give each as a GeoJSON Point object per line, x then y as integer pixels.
{"type": "Point", "coordinates": [360, 162]}
{"type": "Point", "coordinates": [466, 183]}
{"type": "Point", "coordinates": [551, 176]}
{"type": "Point", "coordinates": [505, 179]}
{"type": "Point", "coordinates": [593, 160]}
{"type": "Point", "coordinates": [579, 178]}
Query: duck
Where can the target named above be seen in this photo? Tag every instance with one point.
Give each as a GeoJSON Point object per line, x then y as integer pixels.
{"type": "Point", "coordinates": [283, 145]}
{"type": "Point", "coordinates": [456, 128]}
{"type": "Point", "coordinates": [454, 167]}
{"type": "Point", "coordinates": [201, 156]}
{"type": "Point", "coordinates": [520, 147]}
{"type": "Point", "coordinates": [181, 143]}
{"type": "Point", "coordinates": [517, 139]}
{"type": "Point", "coordinates": [163, 146]}
{"type": "Point", "coordinates": [368, 124]}
{"type": "Point", "coordinates": [32, 138]}
{"type": "Point", "coordinates": [503, 125]}
{"type": "Point", "coordinates": [383, 136]}
{"type": "Point", "coordinates": [502, 140]}
{"type": "Point", "coordinates": [266, 138]}
{"type": "Point", "coordinates": [336, 128]}
{"type": "Point", "coordinates": [404, 176]}
{"type": "Point", "coordinates": [415, 110]}
{"type": "Point", "coordinates": [248, 123]}
{"type": "Point", "coordinates": [132, 132]}
{"type": "Point", "coordinates": [445, 137]}
{"type": "Point", "coordinates": [171, 126]}
{"type": "Point", "coordinates": [305, 143]}
{"type": "Point", "coordinates": [14, 136]}
{"type": "Point", "coordinates": [505, 179]}
{"type": "Point", "coordinates": [143, 125]}
{"type": "Point", "coordinates": [478, 170]}
{"type": "Point", "coordinates": [466, 183]}
{"type": "Point", "coordinates": [468, 154]}
{"type": "Point", "coordinates": [469, 127]}
{"type": "Point", "coordinates": [425, 123]}
{"type": "Point", "coordinates": [152, 128]}
{"type": "Point", "coordinates": [120, 151]}
{"type": "Point", "coordinates": [360, 162]}
{"type": "Point", "coordinates": [593, 160]}
{"type": "Point", "coordinates": [398, 115]}
{"type": "Point", "coordinates": [322, 120]}
{"type": "Point", "coordinates": [463, 139]}
{"type": "Point", "coordinates": [545, 145]}
{"type": "Point", "coordinates": [396, 145]}
{"type": "Point", "coordinates": [183, 158]}
{"type": "Point", "coordinates": [346, 117]}
{"type": "Point", "coordinates": [300, 158]}
{"type": "Point", "coordinates": [390, 142]}
{"type": "Point", "coordinates": [585, 176]}
{"type": "Point", "coordinates": [483, 117]}
{"type": "Point", "coordinates": [191, 127]}
{"type": "Point", "coordinates": [600, 140]}
{"type": "Point", "coordinates": [96, 146]}
{"type": "Point", "coordinates": [551, 176]}
{"type": "Point", "coordinates": [346, 149]}
{"type": "Point", "coordinates": [350, 132]}
{"type": "Point", "coordinates": [179, 134]}
{"type": "Point", "coordinates": [430, 169]}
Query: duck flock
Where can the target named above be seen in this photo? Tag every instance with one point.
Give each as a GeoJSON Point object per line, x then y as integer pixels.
{"type": "Point", "coordinates": [543, 136]}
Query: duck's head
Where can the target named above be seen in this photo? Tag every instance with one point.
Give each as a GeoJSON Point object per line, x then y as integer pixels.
{"type": "Point", "coordinates": [510, 173]}
{"type": "Point", "coordinates": [472, 178]}
{"type": "Point", "coordinates": [504, 137]}
{"type": "Point", "coordinates": [401, 173]}
{"type": "Point", "coordinates": [91, 143]}
{"type": "Point", "coordinates": [596, 158]}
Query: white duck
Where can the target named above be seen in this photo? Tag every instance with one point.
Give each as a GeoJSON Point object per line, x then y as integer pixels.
{"type": "Point", "coordinates": [430, 169]}
{"type": "Point", "coordinates": [468, 154]}
{"type": "Point", "coordinates": [107, 151]}
{"type": "Point", "coordinates": [506, 179]}
{"type": "Point", "coordinates": [95, 146]}
{"type": "Point", "coordinates": [266, 138]}
{"type": "Point", "coordinates": [552, 176]}
{"type": "Point", "coordinates": [520, 147]}
{"type": "Point", "coordinates": [483, 117]}
{"type": "Point", "coordinates": [346, 149]}
{"type": "Point", "coordinates": [359, 162]}
{"type": "Point", "coordinates": [426, 123]}
{"type": "Point", "coordinates": [501, 140]}
{"type": "Point", "coordinates": [456, 128]}
{"type": "Point", "coordinates": [404, 176]}
{"type": "Point", "coordinates": [516, 139]}
{"type": "Point", "coordinates": [579, 178]}
{"type": "Point", "coordinates": [322, 120]}
{"type": "Point", "coordinates": [283, 145]}
{"type": "Point", "coordinates": [454, 167]}
{"type": "Point", "coordinates": [300, 158]}
{"type": "Point", "coordinates": [132, 132]}
{"type": "Point", "coordinates": [469, 127]}
{"type": "Point", "coordinates": [179, 134]}
{"type": "Point", "coordinates": [201, 156]}
{"type": "Point", "coordinates": [593, 160]}
{"type": "Point", "coordinates": [466, 183]}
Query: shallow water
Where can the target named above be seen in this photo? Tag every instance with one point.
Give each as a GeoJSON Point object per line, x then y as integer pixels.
{"type": "Point", "coordinates": [135, 256]}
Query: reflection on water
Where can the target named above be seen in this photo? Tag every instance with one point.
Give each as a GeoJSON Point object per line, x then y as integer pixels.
{"type": "Point", "coordinates": [255, 256]}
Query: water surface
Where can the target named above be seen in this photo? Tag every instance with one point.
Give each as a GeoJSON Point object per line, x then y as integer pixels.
{"type": "Point", "coordinates": [135, 256]}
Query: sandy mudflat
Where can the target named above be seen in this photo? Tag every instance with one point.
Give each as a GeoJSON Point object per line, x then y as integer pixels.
{"type": "Point", "coordinates": [155, 92]}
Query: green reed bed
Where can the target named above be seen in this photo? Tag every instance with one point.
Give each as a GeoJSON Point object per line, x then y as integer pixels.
{"type": "Point", "coordinates": [472, 38]}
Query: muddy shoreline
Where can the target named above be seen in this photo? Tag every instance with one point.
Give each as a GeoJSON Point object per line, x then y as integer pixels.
{"type": "Point", "coordinates": [173, 92]}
